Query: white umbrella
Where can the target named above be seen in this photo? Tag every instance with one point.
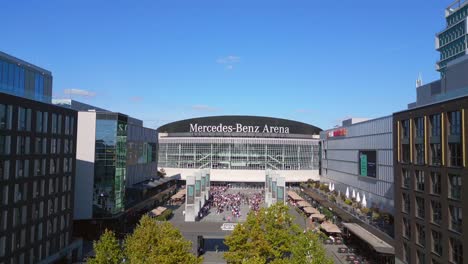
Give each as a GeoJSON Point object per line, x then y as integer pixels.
{"type": "Point", "coordinates": [332, 187]}
{"type": "Point", "coordinates": [358, 199]}
{"type": "Point", "coordinates": [354, 194]}
{"type": "Point", "coordinates": [347, 192]}
{"type": "Point", "coordinates": [364, 202]}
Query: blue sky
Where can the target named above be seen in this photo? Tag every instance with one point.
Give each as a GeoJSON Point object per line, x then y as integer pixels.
{"type": "Point", "coordinates": [162, 61]}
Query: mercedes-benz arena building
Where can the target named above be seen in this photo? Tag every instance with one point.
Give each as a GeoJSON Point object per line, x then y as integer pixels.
{"type": "Point", "coordinates": [240, 148]}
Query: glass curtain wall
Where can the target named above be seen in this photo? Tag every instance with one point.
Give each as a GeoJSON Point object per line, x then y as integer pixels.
{"type": "Point", "coordinates": [239, 153]}
{"type": "Point", "coordinates": [110, 165]}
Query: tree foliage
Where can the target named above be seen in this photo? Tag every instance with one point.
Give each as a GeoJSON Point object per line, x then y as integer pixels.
{"type": "Point", "coordinates": [271, 236]}
{"type": "Point", "coordinates": [158, 242]}
{"type": "Point", "coordinates": [151, 242]}
{"type": "Point", "coordinates": [107, 249]}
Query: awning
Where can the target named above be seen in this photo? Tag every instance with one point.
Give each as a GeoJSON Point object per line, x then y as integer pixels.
{"type": "Point", "coordinates": [158, 211]}
{"type": "Point", "coordinates": [330, 228]}
{"type": "Point", "coordinates": [310, 210]}
{"type": "Point", "coordinates": [179, 195]}
{"type": "Point", "coordinates": [303, 204]}
{"type": "Point", "coordinates": [294, 196]}
{"type": "Point", "coordinates": [378, 244]}
{"type": "Point", "coordinates": [317, 216]}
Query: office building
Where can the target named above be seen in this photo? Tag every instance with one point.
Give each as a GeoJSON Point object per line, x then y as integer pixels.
{"type": "Point", "coordinates": [358, 156]}
{"type": "Point", "coordinates": [116, 166]}
{"type": "Point", "coordinates": [430, 167]}
{"type": "Point", "coordinates": [430, 156]}
{"type": "Point", "coordinates": [37, 168]}
{"type": "Point", "coordinates": [238, 149]}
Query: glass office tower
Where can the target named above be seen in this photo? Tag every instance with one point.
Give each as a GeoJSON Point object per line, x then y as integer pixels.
{"type": "Point", "coordinates": [22, 79]}
{"type": "Point", "coordinates": [452, 42]}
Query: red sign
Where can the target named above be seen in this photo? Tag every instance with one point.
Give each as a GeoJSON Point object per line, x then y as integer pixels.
{"type": "Point", "coordinates": [337, 133]}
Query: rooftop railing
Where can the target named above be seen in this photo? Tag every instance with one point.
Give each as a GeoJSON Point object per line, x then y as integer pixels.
{"type": "Point", "coordinates": [455, 6]}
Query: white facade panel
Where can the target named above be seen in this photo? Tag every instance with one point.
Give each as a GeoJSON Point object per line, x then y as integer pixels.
{"type": "Point", "coordinates": [85, 156]}
{"type": "Point", "coordinates": [217, 175]}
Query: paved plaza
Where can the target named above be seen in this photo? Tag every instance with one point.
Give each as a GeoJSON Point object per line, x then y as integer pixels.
{"type": "Point", "coordinates": [210, 228]}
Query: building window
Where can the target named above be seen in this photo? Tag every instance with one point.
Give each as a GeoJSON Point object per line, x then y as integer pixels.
{"type": "Point", "coordinates": [419, 152]}
{"type": "Point", "coordinates": [54, 123]}
{"type": "Point", "coordinates": [436, 212]}
{"type": "Point", "coordinates": [5, 116]}
{"type": "Point", "coordinates": [405, 178]}
{"type": "Point", "coordinates": [436, 154]}
{"type": "Point", "coordinates": [419, 180]}
{"type": "Point", "coordinates": [406, 229]}
{"type": "Point", "coordinates": [454, 123]}
{"type": "Point", "coordinates": [455, 186]}
{"type": "Point", "coordinates": [421, 259]}
{"type": "Point", "coordinates": [437, 242]}
{"type": "Point", "coordinates": [406, 253]}
{"type": "Point", "coordinates": [23, 145]}
{"type": "Point", "coordinates": [5, 145]}
{"type": "Point", "coordinates": [421, 235]}
{"type": "Point", "coordinates": [456, 248]}
{"type": "Point", "coordinates": [406, 203]}
{"type": "Point", "coordinates": [405, 128]}
{"type": "Point", "coordinates": [455, 154]}
{"type": "Point", "coordinates": [22, 168]}
{"type": "Point", "coordinates": [420, 209]}
{"type": "Point", "coordinates": [435, 182]}
{"type": "Point", "coordinates": [435, 125]}
{"type": "Point", "coordinates": [455, 218]}
{"type": "Point", "coordinates": [419, 125]}
{"type": "Point", "coordinates": [405, 153]}
{"type": "Point", "coordinates": [24, 119]}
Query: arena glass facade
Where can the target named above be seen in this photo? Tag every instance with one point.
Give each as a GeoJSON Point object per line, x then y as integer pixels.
{"type": "Point", "coordinates": [240, 148]}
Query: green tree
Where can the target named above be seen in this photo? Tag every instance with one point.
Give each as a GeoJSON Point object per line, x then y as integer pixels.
{"type": "Point", "coordinates": [309, 249]}
{"type": "Point", "coordinates": [158, 242]}
{"type": "Point", "coordinates": [107, 249]}
{"type": "Point", "coordinates": [271, 236]}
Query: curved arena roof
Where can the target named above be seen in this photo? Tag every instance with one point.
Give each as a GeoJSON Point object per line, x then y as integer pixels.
{"type": "Point", "coordinates": [250, 126]}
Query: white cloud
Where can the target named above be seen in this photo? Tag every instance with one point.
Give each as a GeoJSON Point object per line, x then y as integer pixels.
{"type": "Point", "coordinates": [136, 99]}
{"type": "Point", "coordinates": [79, 92]}
{"type": "Point", "coordinates": [231, 59]}
{"type": "Point", "coordinates": [204, 108]}
{"type": "Point", "coordinates": [303, 111]}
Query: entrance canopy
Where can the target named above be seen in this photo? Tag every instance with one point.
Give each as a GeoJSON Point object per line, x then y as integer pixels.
{"type": "Point", "coordinates": [179, 195]}
{"type": "Point", "coordinates": [376, 243]}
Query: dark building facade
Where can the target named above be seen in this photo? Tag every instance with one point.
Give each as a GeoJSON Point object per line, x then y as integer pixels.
{"type": "Point", "coordinates": [430, 173]}
{"type": "Point", "coordinates": [37, 173]}
{"type": "Point", "coordinates": [23, 79]}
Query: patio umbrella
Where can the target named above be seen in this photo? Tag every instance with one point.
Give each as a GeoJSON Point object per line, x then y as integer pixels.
{"type": "Point", "coordinates": [358, 199]}
{"type": "Point", "coordinates": [347, 192]}
{"type": "Point", "coordinates": [354, 194]}
{"type": "Point", "coordinates": [364, 202]}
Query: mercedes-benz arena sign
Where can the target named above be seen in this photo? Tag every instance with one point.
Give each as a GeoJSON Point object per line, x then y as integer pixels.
{"type": "Point", "coordinates": [240, 148]}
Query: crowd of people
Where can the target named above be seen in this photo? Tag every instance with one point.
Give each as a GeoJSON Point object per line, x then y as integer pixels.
{"type": "Point", "coordinates": [224, 201]}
